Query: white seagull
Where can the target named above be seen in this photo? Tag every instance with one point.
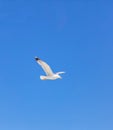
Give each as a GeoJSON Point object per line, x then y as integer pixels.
{"type": "Point", "coordinates": [49, 73]}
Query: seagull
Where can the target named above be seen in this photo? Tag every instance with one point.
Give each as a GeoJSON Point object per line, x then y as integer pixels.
{"type": "Point", "coordinates": [49, 73]}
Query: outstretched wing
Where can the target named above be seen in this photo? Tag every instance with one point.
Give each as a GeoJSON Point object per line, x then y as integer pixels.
{"type": "Point", "coordinates": [60, 72]}
{"type": "Point", "coordinates": [44, 66]}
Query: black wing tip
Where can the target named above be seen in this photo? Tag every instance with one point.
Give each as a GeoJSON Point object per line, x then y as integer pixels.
{"type": "Point", "coordinates": [36, 58]}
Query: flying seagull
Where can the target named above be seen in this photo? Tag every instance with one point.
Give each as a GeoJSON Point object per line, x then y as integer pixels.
{"type": "Point", "coordinates": [49, 73]}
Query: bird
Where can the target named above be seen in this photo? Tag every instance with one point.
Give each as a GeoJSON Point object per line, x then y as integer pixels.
{"type": "Point", "coordinates": [50, 75]}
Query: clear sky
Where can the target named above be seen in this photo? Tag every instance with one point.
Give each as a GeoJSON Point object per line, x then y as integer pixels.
{"type": "Point", "coordinates": [75, 37]}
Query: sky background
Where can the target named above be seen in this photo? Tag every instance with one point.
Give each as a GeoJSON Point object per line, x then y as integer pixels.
{"type": "Point", "coordinates": [75, 37]}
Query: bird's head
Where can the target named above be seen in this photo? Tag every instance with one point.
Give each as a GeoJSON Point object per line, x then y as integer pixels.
{"type": "Point", "coordinates": [59, 76]}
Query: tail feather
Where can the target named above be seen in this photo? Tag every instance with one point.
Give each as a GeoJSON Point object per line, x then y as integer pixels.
{"type": "Point", "coordinates": [43, 77]}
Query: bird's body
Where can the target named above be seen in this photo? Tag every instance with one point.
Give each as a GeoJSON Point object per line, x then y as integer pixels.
{"type": "Point", "coordinates": [49, 73]}
{"type": "Point", "coordinates": [53, 77]}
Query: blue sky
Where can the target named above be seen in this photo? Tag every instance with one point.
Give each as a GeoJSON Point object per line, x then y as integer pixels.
{"type": "Point", "coordinates": [76, 37]}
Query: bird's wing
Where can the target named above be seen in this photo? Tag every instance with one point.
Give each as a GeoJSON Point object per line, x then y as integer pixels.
{"type": "Point", "coordinates": [44, 66]}
{"type": "Point", "coordinates": [60, 72]}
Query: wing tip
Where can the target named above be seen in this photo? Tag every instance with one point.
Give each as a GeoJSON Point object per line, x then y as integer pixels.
{"type": "Point", "coordinates": [36, 58]}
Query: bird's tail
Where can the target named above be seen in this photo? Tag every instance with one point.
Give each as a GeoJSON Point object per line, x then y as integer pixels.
{"type": "Point", "coordinates": [43, 77]}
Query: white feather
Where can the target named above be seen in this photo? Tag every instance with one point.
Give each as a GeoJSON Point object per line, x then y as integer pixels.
{"type": "Point", "coordinates": [47, 69]}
